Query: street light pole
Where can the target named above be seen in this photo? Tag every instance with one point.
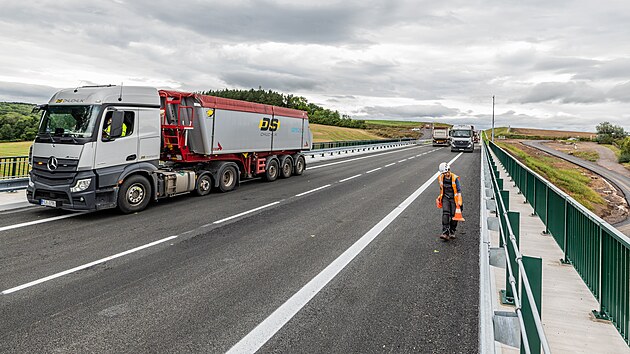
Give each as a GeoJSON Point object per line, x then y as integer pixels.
{"type": "Point", "coordinates": [493, 118]}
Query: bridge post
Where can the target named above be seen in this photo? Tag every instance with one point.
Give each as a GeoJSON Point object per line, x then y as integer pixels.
{"type": "Point", "coordinates": [533, 268]}
{"type": "Point", "coordinates": [507, 296]}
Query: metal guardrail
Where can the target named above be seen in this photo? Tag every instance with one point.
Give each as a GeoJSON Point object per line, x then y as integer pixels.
{"type": "Point", "coordinates": [599, 252]}
{"type": "Point", "coordinates": [526, 301]}
{"type": "Point", "coordinates": [349, 143]}
{"type": "Point", "coordinates": [339, 150]}
{"type": "Point", "coordinates": [14, 167]}
{"type": "Point", "coordinates": [13, 173]}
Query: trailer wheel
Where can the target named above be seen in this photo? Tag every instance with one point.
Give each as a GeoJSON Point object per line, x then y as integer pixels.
{"type": "Point", "coordinates": [299, 166]}
{"type": "Point", "coordinates": [204, 185]}
{"type": "Point", "coordinates": [287, 168]}
{"type": "Point", "coordinates": [227, 179]}
{"type": "Point", "coordinates": [134, 194]}
{"type": "Point", "coordinates": [271, 174]}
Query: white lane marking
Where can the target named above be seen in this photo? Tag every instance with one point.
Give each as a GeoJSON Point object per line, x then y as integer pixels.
{"type": "Point", "coordinates": [245, 212]}
{"type": "Point", "coordinates": [410, 158]}
{"type": "Point", "coordinates": [312, 190]}
{"type": "Point", "coordinates": [88, 265]}
{"type": "Point", "coordinates": [17, 226]}
{"type": "Point", "coordinates": [359, 158]}
{"type": "Point", "coordinates": [349, 178]}
{"type": "Point", "coordinates": [391, 164]}
{"type": "Point", "coordinates": [376, 169]}
{"type": "Point", "coordinates": [255, 339]}
{"type": "Point", "coordinates": [403, 160]}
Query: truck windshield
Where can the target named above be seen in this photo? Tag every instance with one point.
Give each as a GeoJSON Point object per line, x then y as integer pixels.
{"type": "Point", "coordinates": [461, 134]}
{"type": "Point", "coordinates": [71, 124]}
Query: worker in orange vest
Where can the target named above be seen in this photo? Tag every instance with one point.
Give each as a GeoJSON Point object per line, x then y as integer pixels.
{"type": "Point", "coordinates": [450, 198]}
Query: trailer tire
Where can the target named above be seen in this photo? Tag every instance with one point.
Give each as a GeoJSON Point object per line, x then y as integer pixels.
{"type": "Point", "coordinates": [299, 166]}
{"type": "Point", "coordinates": [286, 167]}
{"type": "Point", "coordinates": [227, 179]}
{"type": "Point", "coordinates": [271, 173]}
{"type": "Point", "coordinates": [204, 185]}
{"type": "Point", "coordinates": [134, 194]}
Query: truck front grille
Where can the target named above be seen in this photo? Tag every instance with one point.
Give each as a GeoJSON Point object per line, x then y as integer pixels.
{"type": "Point", "coordinates": [63, 175]}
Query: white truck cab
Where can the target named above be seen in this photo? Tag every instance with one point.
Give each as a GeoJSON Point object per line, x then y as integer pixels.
{"type": "Point", "coordinates": [462, 138]}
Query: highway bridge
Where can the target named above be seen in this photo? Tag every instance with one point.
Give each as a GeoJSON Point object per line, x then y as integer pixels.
{"type": "Point", "coordinates": [343, 259]}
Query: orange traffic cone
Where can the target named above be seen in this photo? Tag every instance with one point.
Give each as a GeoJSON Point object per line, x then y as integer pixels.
{"type": "Point", "coordinates": [458, 215]}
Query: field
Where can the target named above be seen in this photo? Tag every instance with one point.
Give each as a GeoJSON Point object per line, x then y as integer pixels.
{"type": "Point", "coordinates": [553, 133]}
{"type": "Point", "coordinates": [19, 148]}
{"type": "Point", "coordinates": [330, 133]}
{"type": "Point", "coordinates": [527, 133]}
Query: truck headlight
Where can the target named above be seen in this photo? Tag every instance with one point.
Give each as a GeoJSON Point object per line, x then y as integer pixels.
{"type": "Point", "coordinates": [30, 182]}
{"type": "Point", "coordinates": [81, 185]}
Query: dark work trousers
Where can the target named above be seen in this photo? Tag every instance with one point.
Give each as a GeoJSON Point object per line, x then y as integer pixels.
{"type": "Point", "coordinates": [448, 211]}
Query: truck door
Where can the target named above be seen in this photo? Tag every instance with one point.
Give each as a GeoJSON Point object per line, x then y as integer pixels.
{"type": "Point", "coordinates": [114, 154]}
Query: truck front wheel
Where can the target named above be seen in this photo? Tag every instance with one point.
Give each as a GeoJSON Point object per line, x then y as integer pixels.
{"type": "Point", "coordinates": [204, 185]}
{"type": "Point", "coordinates": [134, 194]}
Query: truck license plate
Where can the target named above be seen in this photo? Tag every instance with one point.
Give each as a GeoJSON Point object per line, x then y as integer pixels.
{"type": "Point", "coordinates": [49, 203]}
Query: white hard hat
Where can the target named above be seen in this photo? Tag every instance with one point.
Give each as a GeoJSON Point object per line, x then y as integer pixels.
{"type": "Point", "coordinates": [444, 167]}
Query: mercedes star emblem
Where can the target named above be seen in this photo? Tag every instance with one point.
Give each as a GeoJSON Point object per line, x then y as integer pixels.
{"type": "Point", "coordinates": [52, 163]}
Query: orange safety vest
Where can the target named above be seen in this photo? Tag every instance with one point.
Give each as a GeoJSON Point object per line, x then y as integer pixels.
{"type": "Point", "coordinates": [454, 178]}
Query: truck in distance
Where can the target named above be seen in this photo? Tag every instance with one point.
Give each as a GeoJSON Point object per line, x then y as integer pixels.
{"type": "Point", "coordinates": [440, 136]}
{"type": "Point", "coordinates": [103, 147]}
{"type": "Point", "coordinates": [462, 138]}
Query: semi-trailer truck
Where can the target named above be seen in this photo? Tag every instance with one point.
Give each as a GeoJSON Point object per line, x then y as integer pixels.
{"type": "Point", "coordinates": [440, 136]}
{"type": "Point", "coordinates": [462, 138]}
{"type": "Point", "coordinates": [103, 147]}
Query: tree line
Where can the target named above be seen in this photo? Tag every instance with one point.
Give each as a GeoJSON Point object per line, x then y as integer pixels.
{"type": "Point", "coordinates": [17, 123]}
{"type": "Point", "coordinates": [316, 113]}
{"type": "Point", "coordinates": [614, 134]}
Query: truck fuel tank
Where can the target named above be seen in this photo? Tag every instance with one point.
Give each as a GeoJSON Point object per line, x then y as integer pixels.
{"type": "Point", "coordinates": [178, 182]}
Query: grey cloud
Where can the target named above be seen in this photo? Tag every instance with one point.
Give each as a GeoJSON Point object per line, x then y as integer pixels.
{"type": "Point", "coordinates": [269, 80]}
{"type": "Point", "coordinates": [565, 64]}
{"type": "Point", "coordinates": [254, 21]}
{"type": "Point", "coordinates": [409, 111]}
{"type": "Point", "coordinates": [611, 69]}
{"type": "Point", "coordinates": [19, 92]}
{"type": "Point", "coordinates": [620, 92]}
{"type": "Point", "coordinates": [564, 92]}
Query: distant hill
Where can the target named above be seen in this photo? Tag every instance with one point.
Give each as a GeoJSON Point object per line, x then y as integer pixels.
{"type": "Point", "coordinates": [17, 123]}
{"type": "Point", "coordinates": [529, 133]}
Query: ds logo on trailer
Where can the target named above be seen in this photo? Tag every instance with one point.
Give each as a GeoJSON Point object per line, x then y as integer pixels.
{"type": "Point", "coordinates": [269, 124]}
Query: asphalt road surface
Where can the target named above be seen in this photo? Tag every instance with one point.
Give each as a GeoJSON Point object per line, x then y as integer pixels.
{"type": "Point", "coordinates": [344, 258]}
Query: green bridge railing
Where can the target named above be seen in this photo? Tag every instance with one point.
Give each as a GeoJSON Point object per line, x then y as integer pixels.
{"type": "Point", "coordinates": [598, 251]}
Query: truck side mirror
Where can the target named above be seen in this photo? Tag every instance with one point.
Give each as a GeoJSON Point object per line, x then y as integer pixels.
{"type": "Point", "coordinates": [117, 123]}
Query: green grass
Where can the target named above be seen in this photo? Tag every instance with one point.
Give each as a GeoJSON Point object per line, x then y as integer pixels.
{"type": "Point", "coordinates": [399, 123]}
{"type": "Point", "coordinates": [331, 133]}
{"type": "Point", "coordinates": [19, 148]}
{"type": "Point", "coordinates": [571, 181]}
{"type": "Point", "coordinates": [592, 156]}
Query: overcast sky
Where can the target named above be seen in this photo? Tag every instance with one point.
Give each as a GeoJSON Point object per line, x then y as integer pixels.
{"type": "Point", "coordinates": [551, 64]}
